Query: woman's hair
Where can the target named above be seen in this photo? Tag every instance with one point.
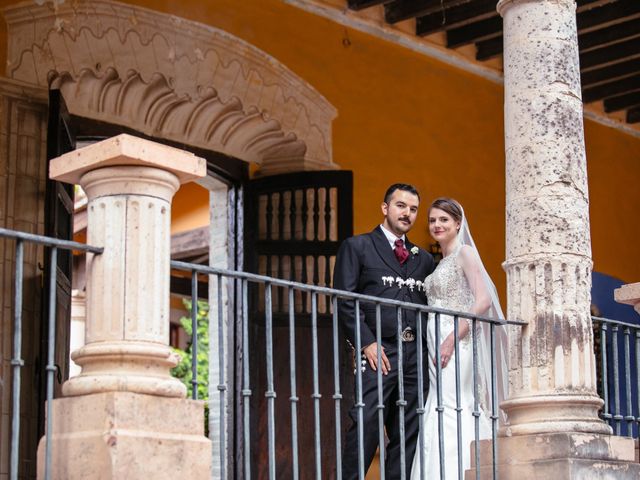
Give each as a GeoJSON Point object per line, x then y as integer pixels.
{"type": "Point", "coordinates": [449, 205]}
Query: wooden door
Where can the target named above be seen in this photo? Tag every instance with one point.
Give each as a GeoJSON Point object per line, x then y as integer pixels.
{"type": "Point", "coordinates": [294, 226]}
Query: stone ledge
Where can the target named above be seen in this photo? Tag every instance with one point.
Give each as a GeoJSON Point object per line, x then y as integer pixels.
{"type": "Point", "coordinates": [127, 150]}
{"type": "Point", "coordinates": [628, 294]}
{"type": "Point", "coordinates": [560, 455]}
{"type": "Point", "coordinates": [127, 435]}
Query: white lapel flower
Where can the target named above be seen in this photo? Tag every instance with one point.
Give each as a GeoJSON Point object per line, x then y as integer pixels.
{"type": "Point", "coordinates": [415, 250]}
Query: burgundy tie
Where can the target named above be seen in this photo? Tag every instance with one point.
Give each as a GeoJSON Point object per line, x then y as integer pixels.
{"type": "Point", "coordinates": [401, 252]}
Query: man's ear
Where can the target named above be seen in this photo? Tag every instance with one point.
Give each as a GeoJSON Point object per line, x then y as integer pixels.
{"type": "Point", "coordinates": [385, 208]}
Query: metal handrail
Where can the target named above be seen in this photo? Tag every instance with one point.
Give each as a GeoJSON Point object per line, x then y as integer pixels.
{"type": "Point", "coordinates": [49, 241]}
{"type": "Point", "coordinates": [178, 265]}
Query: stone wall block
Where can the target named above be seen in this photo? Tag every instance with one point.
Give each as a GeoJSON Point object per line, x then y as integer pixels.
{"type": "Point", "coordinates": [629, 294]}
{"type": "Point", "coordinates": [125, 435]}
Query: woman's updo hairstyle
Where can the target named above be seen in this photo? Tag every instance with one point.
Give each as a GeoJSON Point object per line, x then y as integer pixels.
{"type": "Point", "coordinates": [449, 205]}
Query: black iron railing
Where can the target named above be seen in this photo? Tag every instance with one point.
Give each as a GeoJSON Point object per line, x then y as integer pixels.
{"type": "Point", "coordinates": [617, 346]}
{"type": "Point", "coordinates": [289, 313]}
{"type": "Point", "coordinates": [301, 414]}
{"type": "Point", "coordinates": [17, 362]}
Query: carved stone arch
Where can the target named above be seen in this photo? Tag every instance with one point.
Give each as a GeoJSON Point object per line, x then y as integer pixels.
{"type": "Point", "coordinates": [171, 78]}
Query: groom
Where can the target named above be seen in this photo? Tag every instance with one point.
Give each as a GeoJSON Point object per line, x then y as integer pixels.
{"type": "Point", "coordinates": [385, 264]}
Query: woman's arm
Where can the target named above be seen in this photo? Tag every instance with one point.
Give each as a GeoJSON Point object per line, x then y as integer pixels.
{"type": "Point", "coordinates": [473, 272]}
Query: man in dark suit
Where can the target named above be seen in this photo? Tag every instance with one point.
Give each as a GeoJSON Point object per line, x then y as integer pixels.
{"type": "Point", "coordinates": [385, 264]}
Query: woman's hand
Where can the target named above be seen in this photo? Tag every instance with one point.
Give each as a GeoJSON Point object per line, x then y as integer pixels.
{"type": "Point", "coordinates": [447, 349]}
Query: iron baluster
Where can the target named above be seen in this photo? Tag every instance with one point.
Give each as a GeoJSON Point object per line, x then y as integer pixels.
{"type": "Point", "coordinates": [494, 403]}
{"type": "Point", "coordinates": [439, 407]}
{"type": "Point", "coordinates": [617, 418]}
{"type": "Point", "coordinates": [194, 335]}
{"type": "Point", "coordinates": [380, 406]}
{"type": "Point", "coordinates": [401, 403]}
{"type": "Point", "coordinates": [16, 362]}
{"type": "Point", "coordinates": [51, 367]}
{"type": "Point", "coordinates": [421, 400]}
{"type": "Point", "coordinates": [456, 345]}
{"type": "Point", "coordinates": [606, 414]}
{"type": "Point", "coordinates": [637, 353]}
{"type": "Point", "coordinates": [246, 390]}
{"type": "Point", "coordinates": [316, 384]}
{"type": "Point", "coordinates": [476, 403]}
{"type": "Point", "coordinates": [222, 388]}
{"type": "Point", "coordinates": [359, 405]}
{"type": "Point", "coordinates": [337, 396]}
{"type": "Point", "coordinates": [270, 394]}
{"type": "Point", "coordinates": [293, 399]}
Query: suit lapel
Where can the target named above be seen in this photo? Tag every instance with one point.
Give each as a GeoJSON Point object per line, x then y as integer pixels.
{"type": "Point", "coordinates": [414, 260]}
{"type": "Point", "coordinates": [385, 251]}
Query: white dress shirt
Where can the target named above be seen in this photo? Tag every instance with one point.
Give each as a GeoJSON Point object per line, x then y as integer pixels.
{"type": "Point", "coordinates": [391, 237]}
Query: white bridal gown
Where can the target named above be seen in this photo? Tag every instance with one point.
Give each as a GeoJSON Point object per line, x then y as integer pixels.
{"type": "Point", "coordinates": [447, 287]}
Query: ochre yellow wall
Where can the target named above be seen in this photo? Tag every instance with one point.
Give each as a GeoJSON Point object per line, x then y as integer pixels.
{"type": "Point", "coordinates": [190, 208]}
{"type": "Point", "coordinates": [613, 161]}
{"type": "Point", "coordinates": [406, 117]}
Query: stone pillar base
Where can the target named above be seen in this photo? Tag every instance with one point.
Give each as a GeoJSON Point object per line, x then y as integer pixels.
{"type": "Point", "coordinates": [119, 435]}
{"type": "Point", "coordinates": [559, 455]}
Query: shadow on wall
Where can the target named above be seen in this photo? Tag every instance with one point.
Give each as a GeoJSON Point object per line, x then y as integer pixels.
{"type": "Point", "coordinates": [618, 393]}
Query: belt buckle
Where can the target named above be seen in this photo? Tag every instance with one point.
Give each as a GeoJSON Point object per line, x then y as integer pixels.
{"type": "Point", "coordinates": [408, 335]}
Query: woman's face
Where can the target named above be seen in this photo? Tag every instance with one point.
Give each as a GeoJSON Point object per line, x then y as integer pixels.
{"type": "Point", "coordinates": [442, 227]}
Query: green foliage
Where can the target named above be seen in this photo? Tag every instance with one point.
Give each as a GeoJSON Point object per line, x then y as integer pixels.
{"type": "Point", "coordinates": [182, 371]}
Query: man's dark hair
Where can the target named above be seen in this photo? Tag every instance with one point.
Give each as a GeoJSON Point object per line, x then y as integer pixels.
{"type": "Point", "coordinates": [400, 186]}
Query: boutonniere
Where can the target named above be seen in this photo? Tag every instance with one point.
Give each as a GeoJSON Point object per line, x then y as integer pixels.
{"type": "Point", "coordinates": [414, 250]}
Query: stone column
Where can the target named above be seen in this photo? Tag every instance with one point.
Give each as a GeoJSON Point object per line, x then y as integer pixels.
{"type": "Point", "coordinates": [554, 430]}
{"type": "Point", "coordinates": [553, 379]}
{"type": "Point", "coordinates": [124, 416]}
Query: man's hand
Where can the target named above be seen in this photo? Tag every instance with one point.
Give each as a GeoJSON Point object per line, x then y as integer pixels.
{"type": "Point", "coordinates": [371, 354]}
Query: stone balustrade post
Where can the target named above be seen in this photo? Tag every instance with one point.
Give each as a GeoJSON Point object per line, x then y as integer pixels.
{"type": "Point", "coordinates": [124, 416]}
{"type": "Point", "coordinates": [554, 430]}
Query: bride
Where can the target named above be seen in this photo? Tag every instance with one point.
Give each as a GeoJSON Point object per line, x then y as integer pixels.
{"type": "Point", "coordinates": [459, 283]}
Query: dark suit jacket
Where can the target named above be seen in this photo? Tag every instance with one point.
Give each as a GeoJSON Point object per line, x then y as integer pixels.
{"type": "Point", "coordinates": [361, 264]}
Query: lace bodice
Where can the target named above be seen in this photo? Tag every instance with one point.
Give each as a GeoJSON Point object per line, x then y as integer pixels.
{"type": "Point", "coordinates": [447, 286]}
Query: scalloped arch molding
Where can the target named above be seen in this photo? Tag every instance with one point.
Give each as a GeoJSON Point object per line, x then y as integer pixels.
{"type": "Point", "coordinates": [172, 78]}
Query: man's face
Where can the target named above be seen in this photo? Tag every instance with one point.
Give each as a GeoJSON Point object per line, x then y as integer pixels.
{"type": "Point", "coordinates": [401, 212]}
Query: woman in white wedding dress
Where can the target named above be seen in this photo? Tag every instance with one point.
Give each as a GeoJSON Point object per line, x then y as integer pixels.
{"type": "Point", "coordinates": [459, 283]}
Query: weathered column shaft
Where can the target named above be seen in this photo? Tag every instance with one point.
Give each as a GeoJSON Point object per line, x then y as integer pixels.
{"type": "Point", "coordinates": [129, 214]}
{"type": "Point", "coordinates": [552, 375]}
